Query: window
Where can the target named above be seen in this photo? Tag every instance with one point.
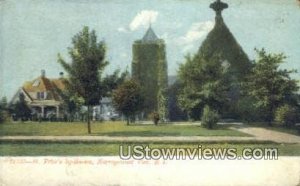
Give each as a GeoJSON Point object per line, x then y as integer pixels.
{"type": "Point", "coordinates": [36, 83]}
{"type": "Point", "coordinates": [41, 95]}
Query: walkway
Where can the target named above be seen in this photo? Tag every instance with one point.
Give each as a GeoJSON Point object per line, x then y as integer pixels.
{"type": "Point", "coordinates": [271, 135]}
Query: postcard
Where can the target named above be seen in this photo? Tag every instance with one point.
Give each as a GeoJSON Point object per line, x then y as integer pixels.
{"type": "Point", "coordinates": [138, 92]}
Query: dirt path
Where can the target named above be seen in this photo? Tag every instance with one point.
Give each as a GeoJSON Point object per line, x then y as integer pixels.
{"type": "Point", "coordinates": [265, 134]}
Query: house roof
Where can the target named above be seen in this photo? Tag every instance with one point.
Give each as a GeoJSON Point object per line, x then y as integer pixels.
{"type": "Point", "coordinates": [43, 84]}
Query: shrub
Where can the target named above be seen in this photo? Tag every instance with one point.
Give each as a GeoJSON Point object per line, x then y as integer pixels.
{"type": "Point", "coordinates": [209, 118]}
{"type": "Point", "coordinates": [286, 115]}
{"type": "Point", "coordinates": [4, 115]}
{"type": "Point", "coordinates": [155, 117]}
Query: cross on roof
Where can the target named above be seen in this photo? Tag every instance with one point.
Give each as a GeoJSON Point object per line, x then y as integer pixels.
{"type": "Point", "coordinates": [218, 6]}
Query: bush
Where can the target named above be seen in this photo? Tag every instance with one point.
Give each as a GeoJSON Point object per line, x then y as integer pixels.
{"type": "Point", "coordinates": [209, 118]}
{"type": "Point", "coordinates": [4, 116]}
{"type": "Point", "coordinates": [286, 115]}
{"type": "Point", "coordinates": [155, 117]}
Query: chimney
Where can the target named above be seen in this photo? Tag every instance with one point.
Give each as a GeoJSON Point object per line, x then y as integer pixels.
{"type": "Point", "coordinates": [43, 73]}
{"type": "Point", "coordinates": [61, 75]}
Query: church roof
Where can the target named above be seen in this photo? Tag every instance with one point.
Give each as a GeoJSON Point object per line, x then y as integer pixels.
{"type": "Point", "coordinates": [221, 42]}
{"type": "Point", "coordinates": [150, 36]}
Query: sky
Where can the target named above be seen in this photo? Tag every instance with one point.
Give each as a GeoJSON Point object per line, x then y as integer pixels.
{"type": "Point", "coordinates": [33, 32]}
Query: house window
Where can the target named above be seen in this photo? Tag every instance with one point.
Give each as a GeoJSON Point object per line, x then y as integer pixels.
{"type": "Point", "coordinates": [36, 83]}
{"type": "Point", "coordinates": [41, 95]}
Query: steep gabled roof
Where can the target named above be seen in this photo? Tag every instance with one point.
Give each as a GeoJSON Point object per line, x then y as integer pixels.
{"type": "Point", "coordinates": [43, 84]}
{"type": "Point", "coordinates": [220, 42]}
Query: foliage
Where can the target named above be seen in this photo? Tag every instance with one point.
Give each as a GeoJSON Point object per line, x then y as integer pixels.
{"type": "Point", "coordinates": [155, 117]}
{"type": "Point", "coordinates": [286, 115]}
{"type": "Point", "coordinates": [270, 85]}
{"type": "Point", "coordinates": [128, 99]}
{"type": "Point", "coordinates": [209, 118]}
{"type": "Point", "coordinates": [112, 81]}
{"type": "Point", "coordinates": [3, 109]}
{"type": "Point", "coordinates": [149, 69]}
{"type": "Point", "coordinates": [72, 103]}
{"type": "Point", "coordinates": [21, 109]}
{"type": "Point", "coordinates": [205, 83]}
{"type": "Point", "coordinates": [2, 119]}
{"type": "Point", "coordinates": [176, 113]}
{"type": "Point", "coordinates": [87, 64]}
{"type": "Point", "coordinates": [213, 76]}
{"type": "Point", "coordinates": [247, 111]}
{"type": "Point", "coordinates": [221, 43]}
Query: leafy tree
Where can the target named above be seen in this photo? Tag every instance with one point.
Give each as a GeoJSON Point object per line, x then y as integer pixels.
{"type": "Point", "coordinates": [3, 108]}
{"type": "Point", "coordinates": [205, 83]}
{"type": "Point", "coordinates": [269, 85]}
{"type": "Point", "coordinates": [1, 116]}
{"type": "Point", "coordinates": [247, 111]}
{"type": "Point", "coordinates": [87, 64]}
{"type": "Point", "coordinates": [3, 103]}
{"type": "Point", "coordinates": [176, 113]}
{"type": "Point", "coordinates": [112, 81]}
{"type": "Point", "coordinates": [128, 99]}
{"type": "Point", "coordinates": [21, 109]}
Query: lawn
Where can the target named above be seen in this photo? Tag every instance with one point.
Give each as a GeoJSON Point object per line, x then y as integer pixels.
{"type": "Point", "coordinates": [110, 129]}
{"type": "Point", "coordinates": [112, 149]}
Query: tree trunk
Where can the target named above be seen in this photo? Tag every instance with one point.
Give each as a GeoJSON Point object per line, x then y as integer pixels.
{"type": "Point", "coordinates": [88, 120]}
{"type": "Point", "coordinates": [270, 119]}
{"type": "Point", "coordinates": [128, 120]}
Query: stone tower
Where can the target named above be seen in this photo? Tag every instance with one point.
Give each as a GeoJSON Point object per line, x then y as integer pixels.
{"type": "Point", "coordinates": [149, 68]}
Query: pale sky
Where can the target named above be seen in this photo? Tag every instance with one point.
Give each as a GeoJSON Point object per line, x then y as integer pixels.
{"type": "Point", "coordinates": [33, 32]}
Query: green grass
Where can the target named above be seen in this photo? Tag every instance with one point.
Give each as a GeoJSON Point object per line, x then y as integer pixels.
{"type": "Point", "coordinates": [110, 149]}
{"type": "Point", "coordinates": [110, 129]}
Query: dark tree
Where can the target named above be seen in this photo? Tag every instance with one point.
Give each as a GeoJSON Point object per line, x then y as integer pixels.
{"type": "Point", "coordinates": [3, 109]}
{"type": "Point", "coordinates": [85, 69]}
{"type": "Point", "coordinates": [72, 104]}
{"type": "Point", "coordinates": [175, 112]}
{"type": "Point", "coordinates": [112, 81]}
{"type": "Point", "coordinates": [128, 99]}
{"type": "Point", "coordinates": [21, 109]}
